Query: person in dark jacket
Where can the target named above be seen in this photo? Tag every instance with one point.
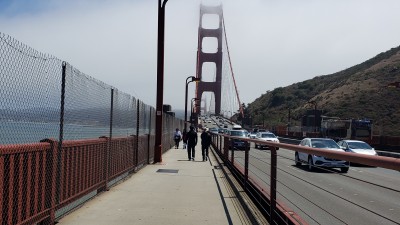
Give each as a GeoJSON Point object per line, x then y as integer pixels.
{"type": "Point", "coordinates": [184, 138]}
{"type": "Point", "coordinates": [191, 143]}
{"type": "Point", "coordinates": [205, 143]}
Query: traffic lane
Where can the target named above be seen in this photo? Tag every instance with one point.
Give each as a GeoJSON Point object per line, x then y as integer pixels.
{"type": "Point", "coordinates": [338, 185]}
{"type": "Point", "coordinates": [351, 187]}
{"type": "Point", "coordinates": [359, 187]}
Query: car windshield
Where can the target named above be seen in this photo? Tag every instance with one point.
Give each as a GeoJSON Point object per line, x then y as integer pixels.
{"type": "Point", "coordinates": [359, 145]}
{"type": "Point", "coordinates": [324, 143]}
{"type": "Point", "coordinates": [238, 133]}
{"type": "Point", "coordinates": [268, 135]}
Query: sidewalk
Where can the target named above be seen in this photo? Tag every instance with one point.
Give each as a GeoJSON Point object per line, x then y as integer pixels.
{"type": "Point", "coordinates": [186, 192]}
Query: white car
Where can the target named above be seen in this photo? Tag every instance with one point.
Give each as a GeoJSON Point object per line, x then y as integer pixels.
{"type": "Point", "coordinates": [357, 147]}
{"type": "Point", "coordinates": [252, 135]}
{"type": "Point", "coordinates": [320, 161]}
{"type": "Point", "coordinates": [266, 136]}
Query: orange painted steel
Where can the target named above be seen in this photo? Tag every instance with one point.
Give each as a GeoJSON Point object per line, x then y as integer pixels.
{"type": "Point", "coordinates": [24, 177]}
{"type": "Point", "coordinates": [28, 173]}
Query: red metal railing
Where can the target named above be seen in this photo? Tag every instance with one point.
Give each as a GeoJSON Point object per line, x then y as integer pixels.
{"type": "Point", "coordinates": [24, 176]}
{"type": "Point", "coordinates": [30, 189]}
{"type": "Point", "coordinates": [278, 212]}
{"type": "Point", "coordinates": [82, 168]}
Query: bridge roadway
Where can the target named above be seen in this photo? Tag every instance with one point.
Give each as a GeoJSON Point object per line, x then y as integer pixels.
{"type": "Point", "coordinates": [198, 193]}
{"type": "Point", "coordinates": [327, 196]}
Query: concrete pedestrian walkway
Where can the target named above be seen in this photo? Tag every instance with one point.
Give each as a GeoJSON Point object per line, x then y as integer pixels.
{"type": "Point", "coordinates": [174, 192]}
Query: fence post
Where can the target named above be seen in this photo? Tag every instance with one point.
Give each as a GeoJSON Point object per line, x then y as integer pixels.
{"type": "Point", "coordinates": [109, 139]}
{"type": "Point", "coordinates": [273, 184]}
{"type": "Point", "coordinates": [54, 183]}
{"type": "Point", "coordinates": [61, 133]}
{"type": "Point", "coordinates": [137, 132]}
{"type": "Point", "coordinates": [148, 139]}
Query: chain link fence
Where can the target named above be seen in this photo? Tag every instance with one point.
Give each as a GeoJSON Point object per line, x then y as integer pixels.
{"type": "Point", "coordinates": [65, 136]}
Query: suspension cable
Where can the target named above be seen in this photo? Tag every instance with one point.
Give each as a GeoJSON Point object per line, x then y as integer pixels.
{"type": "Point", "coordinates": [230, 65]}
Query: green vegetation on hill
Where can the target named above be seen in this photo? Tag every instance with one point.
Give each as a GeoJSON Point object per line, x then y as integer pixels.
{"type": "Point", "coordinates": [361, 91]}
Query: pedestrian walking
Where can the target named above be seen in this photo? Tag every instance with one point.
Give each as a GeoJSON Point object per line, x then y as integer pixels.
{"type": "Point", "coordinates": [177, 137]}
{"type": "Point", "coordinates": [184, 138]}
{"type": "Point", "coordinates": [191, 143]}
{"type": "Point", "coordinates": [205, 143]}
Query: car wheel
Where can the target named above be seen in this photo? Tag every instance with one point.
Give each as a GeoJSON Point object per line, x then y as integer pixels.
{"type": "Point", "coordinates": [344, 169]}
{"type": "Point", "coordinates": [310, 163]}
{"type": "Point", "coordinates": [297, 159]}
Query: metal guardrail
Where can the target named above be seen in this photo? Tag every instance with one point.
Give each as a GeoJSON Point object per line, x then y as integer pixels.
{"type": "Point", "coordinates": [277, 213]}
{"type": "Point", "coordinates": [31, 189]}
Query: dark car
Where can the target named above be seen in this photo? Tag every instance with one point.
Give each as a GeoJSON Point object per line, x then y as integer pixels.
{"type": "Point", "coordinates": [236, 143]}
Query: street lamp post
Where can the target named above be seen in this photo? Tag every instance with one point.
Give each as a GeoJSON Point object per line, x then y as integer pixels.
{"type": "Point", "coordinates": [194, 79]}
{"type": "Point", "coordinates": [160, 80]}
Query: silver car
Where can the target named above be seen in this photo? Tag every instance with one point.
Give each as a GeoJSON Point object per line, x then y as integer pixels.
{"type": "Point", "coordinates": [355, 146]}
{"type": "Point", "coordinates": [321, 161]}
{"type": "Point", "coordinates": [266, 136]}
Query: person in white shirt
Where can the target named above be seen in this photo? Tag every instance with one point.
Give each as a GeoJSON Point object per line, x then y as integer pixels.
{"type": "Point", "coordinates": [177, 137]}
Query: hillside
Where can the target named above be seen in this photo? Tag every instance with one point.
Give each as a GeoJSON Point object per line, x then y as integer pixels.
{"type": "Point", "coordinates": [361, 91]}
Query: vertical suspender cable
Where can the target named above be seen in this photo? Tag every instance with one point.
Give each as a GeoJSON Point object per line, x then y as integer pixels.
{"type": "Point", "coordinates": [230, 64]}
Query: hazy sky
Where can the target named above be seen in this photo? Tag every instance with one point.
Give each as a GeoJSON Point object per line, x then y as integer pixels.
{"type": "Point", "coordinates": [273, 43]}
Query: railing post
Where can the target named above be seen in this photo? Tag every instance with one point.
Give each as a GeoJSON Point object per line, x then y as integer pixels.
{"type": "Point", "coordinates": [137, 133]}
{"type": "Point", "coordinates": [273, 185]}
{"type": "Point", "coordinates": [233, 151]}
{"type": "Point", "coordinates": [148, 139]}
{"type": "Point", "coordinates": [109, 139]}
{"type": "Point", "coordinates": [55, 181]}
{"type": "Point", "coordinates": [246, 168]}
{"type": "Point", "coordinates": [226, 149]}
{"type": "Point", "coordinates": [220, 143]}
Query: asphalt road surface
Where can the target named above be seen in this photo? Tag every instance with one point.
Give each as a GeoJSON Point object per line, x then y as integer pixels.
{"type": "Point", "coordinates": [364, 195]}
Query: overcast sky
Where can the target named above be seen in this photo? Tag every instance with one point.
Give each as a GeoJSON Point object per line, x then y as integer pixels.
{"type": "Point", "coordinates": [273, 43]}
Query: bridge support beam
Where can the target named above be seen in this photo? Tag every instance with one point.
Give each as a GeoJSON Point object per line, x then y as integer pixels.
{"type": "Point", "coordinates": [216, 57]}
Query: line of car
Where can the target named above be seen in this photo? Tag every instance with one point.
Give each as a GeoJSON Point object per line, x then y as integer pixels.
{"type": "Point", "coordinates": [263, 135]}
{"type": "Point", "coordinates": [313, 161]}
